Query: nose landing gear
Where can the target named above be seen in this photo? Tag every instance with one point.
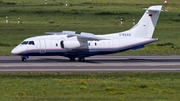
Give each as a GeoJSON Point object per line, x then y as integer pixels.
{"type": "Point", "coordinates": [24, 58]}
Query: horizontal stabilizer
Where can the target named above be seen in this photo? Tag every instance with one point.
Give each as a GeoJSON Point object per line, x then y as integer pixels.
{"type": "Point", "coordinates": [154, 8]}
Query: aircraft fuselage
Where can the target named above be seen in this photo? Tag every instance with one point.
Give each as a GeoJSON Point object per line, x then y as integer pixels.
{"type": "Point", "coordinates": [72, 45]}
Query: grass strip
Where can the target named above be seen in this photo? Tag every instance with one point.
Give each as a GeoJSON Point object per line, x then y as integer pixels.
{"type": "Point", "coordinates": [119, 86]}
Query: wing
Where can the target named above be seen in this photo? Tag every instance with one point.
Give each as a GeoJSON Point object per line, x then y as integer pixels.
{"type": "Point", "coordinates": [87, 37]}
{"type": "Point", "coordinates": [61, 33]}
{"type": "Point", "coordinates": [82, 37]}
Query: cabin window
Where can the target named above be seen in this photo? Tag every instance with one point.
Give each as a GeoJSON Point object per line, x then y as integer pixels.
{"type": "Point", "coordinates": [95, 44]}
{"type": "Point", "coordinates": [56, 44]}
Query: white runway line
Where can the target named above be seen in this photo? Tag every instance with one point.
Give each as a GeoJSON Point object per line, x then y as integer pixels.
{"type": "Point", "coordinates": [81, 70]}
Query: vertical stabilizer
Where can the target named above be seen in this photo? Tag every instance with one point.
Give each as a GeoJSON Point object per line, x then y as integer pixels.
{"type": "Point", "coordinates": [146, 25]}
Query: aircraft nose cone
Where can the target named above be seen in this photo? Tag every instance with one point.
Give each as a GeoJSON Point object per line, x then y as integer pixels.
{"type": "Point", "coordinates": [15, 51]}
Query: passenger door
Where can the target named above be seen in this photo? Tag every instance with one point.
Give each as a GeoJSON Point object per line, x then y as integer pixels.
{"type": "Point", "coordinates": [42, 46]}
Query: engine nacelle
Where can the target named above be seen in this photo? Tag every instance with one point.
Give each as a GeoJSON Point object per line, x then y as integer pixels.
{"type": "Point", "coordinates": [72, 44]}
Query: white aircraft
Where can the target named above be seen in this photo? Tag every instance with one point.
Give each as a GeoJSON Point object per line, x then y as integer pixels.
{"type": "Point", "coordinates": [72, 45]}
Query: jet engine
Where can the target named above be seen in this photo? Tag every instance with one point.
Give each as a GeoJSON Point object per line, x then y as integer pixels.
{"type": "Point", "coordinates": [67, 44]}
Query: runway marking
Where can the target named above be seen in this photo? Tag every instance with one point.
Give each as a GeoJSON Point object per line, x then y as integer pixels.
{"type": "Point", "coordinates": [81, 70]}
{"type": "Point", "coordinates": [87, 64]}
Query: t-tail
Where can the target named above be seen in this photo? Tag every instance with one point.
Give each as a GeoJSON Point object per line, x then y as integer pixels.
{"type": "Point", "coordinates": [146, 25]}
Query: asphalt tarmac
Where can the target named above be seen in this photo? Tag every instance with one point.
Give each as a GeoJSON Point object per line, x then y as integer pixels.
{"type": "Point", "coordinates": [92, 64]}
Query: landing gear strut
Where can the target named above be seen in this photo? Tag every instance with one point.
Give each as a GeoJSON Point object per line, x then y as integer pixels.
{"type": "Point", "coordinates": [24, 58]}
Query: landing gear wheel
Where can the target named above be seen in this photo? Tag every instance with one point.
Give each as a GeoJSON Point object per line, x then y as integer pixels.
{"type": "Point", "coordinates": [24, 59]}
{"type": "Point", "coordinates": [72, 58]}
{"type": "Point", "coordinates": [81, 59]}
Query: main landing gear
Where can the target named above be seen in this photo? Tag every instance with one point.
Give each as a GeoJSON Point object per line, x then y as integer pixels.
{"type": "Point", "coordinates": [24, 58]}
{"type": "Point", "coordinates": [72, 58]}
{"type": "Point", "coordinates": [80, 59]}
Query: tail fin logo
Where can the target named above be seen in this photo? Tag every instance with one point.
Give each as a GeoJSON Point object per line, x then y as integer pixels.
{"type": "Point", "coordinates": [150, 15]}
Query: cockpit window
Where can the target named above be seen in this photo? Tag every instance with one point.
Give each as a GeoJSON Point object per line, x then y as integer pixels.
{"type": "Point", "coordinates": [24, 43]}
{"type": "Point", "coordinates": [31, 43]}
{"type": "Point", "coordinates": [28, 42]}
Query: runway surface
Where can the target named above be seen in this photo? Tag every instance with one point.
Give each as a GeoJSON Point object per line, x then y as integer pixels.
{"type": "Point", "coordinates": [92, 64]}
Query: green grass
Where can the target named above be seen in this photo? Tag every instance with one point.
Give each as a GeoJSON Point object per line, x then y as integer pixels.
{"type": "Point", "coordinates": [90, 87]}
{"type": "Point", "coordinates": [87, 16]}
{"type": "Point", "coordinates": [95, 16]}
{"type": "Point", "coordinates": [102, 2]}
